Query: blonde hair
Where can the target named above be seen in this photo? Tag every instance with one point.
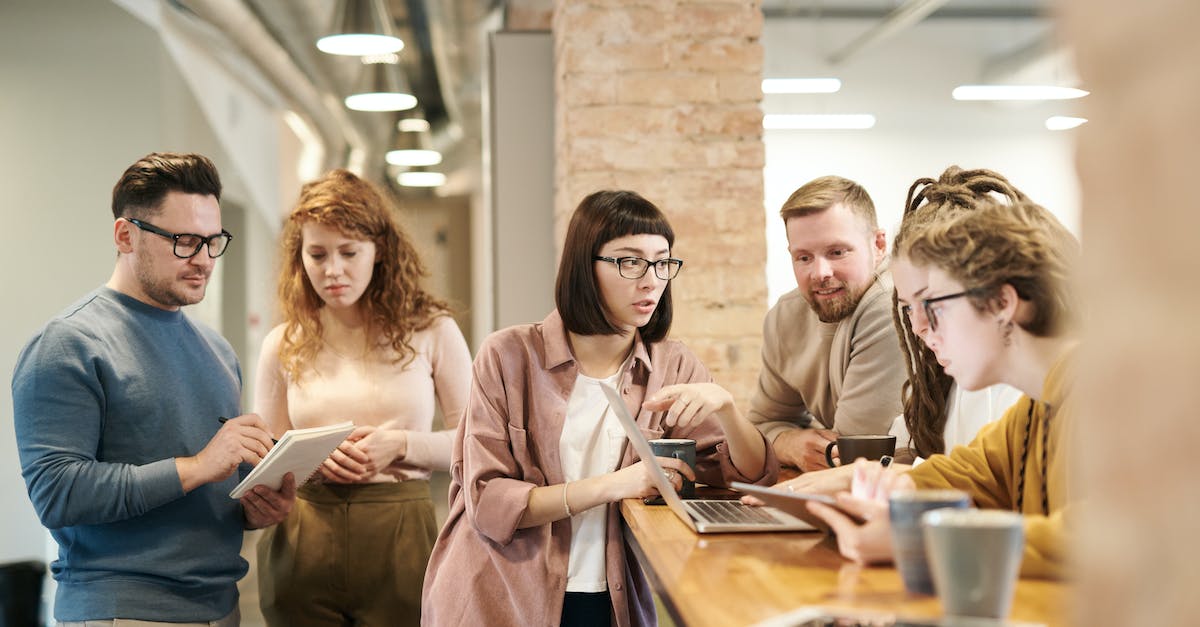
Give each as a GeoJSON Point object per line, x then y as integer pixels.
{"type": "Point", "coordinates": [1023, 246]}
{"type": "Point", "coordinates": [824, 192]}
{"type": "Point", "coordinates": [394, 305]}
{"type": "Point", "coordinates": [925, 394]}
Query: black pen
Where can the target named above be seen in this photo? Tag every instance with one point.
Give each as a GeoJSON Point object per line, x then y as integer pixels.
{"type": "Point", "coordinates": [223, 420]}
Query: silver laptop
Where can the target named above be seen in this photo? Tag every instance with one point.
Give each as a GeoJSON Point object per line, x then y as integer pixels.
{"type": "Point", "coordinates": [702, 515]}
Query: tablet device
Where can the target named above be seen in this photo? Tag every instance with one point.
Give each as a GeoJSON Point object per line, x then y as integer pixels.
{"type": "Point", "coordinates": [794, 503]}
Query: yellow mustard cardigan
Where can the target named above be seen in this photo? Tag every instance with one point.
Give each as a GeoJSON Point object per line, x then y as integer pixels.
{"type": "Point", "coordinates": [990, 469]}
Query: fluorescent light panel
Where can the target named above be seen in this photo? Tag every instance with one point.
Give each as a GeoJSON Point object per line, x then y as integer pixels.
{"type": "Point", "coordinates": [801, 85]}
{"type": "Point", "coordinates": [421, 179]}
{"type": "Point", "coordinates": [1063, 122]}
{"type": "Point", "coordinates": [359, 44]}
{"type": "Point", "coordinates": [1016, 92]}
{"type": "Point", "coordinates": [413, 157]}
{"type": "Point", "coordinates": [381, 102]}
{"type": "Point", "coordinates": [793, 121]}
{"type": "Point", "coordinates": [413, 125]}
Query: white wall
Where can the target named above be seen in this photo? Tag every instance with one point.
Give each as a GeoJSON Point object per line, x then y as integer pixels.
{"type": "Point", "coordinates": [886, 164]}
{"type": "Point", "coordinates": [72, 118]}
{"type": "Point", "coordinates": [68, 128]}
{"type": "Point", "coordinates": [520, 128]}
{"type": "Point", "coordinates": [906, 83]}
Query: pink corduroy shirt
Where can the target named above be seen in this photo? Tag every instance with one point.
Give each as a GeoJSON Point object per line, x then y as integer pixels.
{"type": "Point", "coordinates": [485, 571]}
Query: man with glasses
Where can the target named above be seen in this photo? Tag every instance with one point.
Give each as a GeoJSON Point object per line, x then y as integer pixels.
{"type": "Point", "coordinates": [118, 404]}
{"type": "Point", "coordinates": [831, 362]}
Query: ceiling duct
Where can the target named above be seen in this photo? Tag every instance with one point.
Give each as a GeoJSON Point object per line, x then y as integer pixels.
{"type": "Point", "coordinates": [903, 17]}
{"type": "Point", "coordinates": [341, 135]}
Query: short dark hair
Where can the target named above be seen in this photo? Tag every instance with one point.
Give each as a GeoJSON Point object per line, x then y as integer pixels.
{"type": "Point", "coordinates": [600, 218]}
{"type": "Point", "coordinates": [144, 184]}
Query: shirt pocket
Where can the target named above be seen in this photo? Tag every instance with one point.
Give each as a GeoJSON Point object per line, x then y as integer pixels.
{"type": "Point", "coordinates": [526, 469]}
{"type": "Point", "coordinates": [650, 433]}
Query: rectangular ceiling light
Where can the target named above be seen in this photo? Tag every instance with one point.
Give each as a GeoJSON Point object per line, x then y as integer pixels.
{"type": "Point", "coordinates": [1063, 122]}
{"type": "Point", "coordinates": [801, 85]}
{"type": "Point", "coordinates": [1016, 92]}
{"type": "Point", "coordinates": [798, 122]}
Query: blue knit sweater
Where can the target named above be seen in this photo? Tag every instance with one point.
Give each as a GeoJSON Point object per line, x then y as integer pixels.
{"type": "Point", "coordinates": [105, 396]}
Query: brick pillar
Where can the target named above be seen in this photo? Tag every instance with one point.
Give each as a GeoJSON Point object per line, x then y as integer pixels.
{"type": "Point", "coordinates": [662, 97]}
{"type": "Point", "coordinates": [528, 14]}
{"type": "Point", "coordinates": [1138, 537]}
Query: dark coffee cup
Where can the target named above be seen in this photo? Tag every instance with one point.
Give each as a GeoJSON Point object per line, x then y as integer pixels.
{"type": "Point", "coordinates": [852, 447]}
{"type": "Point", "coordinates": [684, 450]}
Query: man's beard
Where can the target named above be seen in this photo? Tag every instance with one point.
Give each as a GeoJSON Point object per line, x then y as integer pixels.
{"type": "Point", "coordinates": [162, 290]}
{"type": "Point", "coordinates": [835, 309]}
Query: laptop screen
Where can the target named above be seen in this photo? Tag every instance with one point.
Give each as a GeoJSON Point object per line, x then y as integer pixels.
{"type": "Point", "coordinates": [642, 446]}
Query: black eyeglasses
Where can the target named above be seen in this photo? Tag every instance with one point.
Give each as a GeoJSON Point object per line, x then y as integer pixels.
{"type": "Point", "coordinates": [188, 244]}
{"type": "Point", "coordinates": [931, 313]}
{"type": "Point", "coordinates": [636, 267]}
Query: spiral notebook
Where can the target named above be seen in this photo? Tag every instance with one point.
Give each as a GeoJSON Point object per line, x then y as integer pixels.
{"type": "Point", "coordinates": [300, 452]}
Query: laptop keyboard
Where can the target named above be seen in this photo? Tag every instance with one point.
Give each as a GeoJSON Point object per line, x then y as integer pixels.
{"type": "Point", "coordinates": [734, 512]}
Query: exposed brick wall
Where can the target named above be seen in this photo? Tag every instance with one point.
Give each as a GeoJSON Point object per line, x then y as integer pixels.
{"type": "Point", "coordinates": [528, 14]}
{"type": "Point", "coordinates": [662, 97]}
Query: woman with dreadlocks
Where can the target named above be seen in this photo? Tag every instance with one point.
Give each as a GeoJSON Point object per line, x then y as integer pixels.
{"type": "Point", "coordinates": [938, 414]}
{"type": "Point", "coordinates": [992, 304]}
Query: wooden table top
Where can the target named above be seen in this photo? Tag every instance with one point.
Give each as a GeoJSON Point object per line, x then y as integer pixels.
{"type": "Point", "coordinates": [743, 578]}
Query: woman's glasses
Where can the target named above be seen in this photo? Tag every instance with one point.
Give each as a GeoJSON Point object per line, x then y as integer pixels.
{"type": "Point", "coordinates": [932, 312]}
{"type": "Point", "coordinates": [636, 267]}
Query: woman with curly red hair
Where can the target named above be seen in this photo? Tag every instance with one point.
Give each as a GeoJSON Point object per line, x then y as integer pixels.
{"type": "Point", "coordinates": [360, 341]}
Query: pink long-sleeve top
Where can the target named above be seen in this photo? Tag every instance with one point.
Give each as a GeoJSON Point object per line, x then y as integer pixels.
{"type": "Point", "coordinates": [485, 571]}
{"type": "Point", "coordinates": [376, 391]}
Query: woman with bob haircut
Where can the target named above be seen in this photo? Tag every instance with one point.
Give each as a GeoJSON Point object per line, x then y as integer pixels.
{"type": "Point", "coordinates": [360, 341]}
{"type": "Point", "coordinates": [994, 304]}
{"type": "Point", "coordinates": [534, 533]}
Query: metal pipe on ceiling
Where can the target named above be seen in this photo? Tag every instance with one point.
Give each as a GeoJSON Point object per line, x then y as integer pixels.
{"type": "Point", "coordinates": [901, 18]}
{"type": "Point", "coordinates": [340, 134]}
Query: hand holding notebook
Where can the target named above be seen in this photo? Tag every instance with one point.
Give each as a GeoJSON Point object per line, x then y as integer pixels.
{"type": "Point", "coordinates": [300, 452]}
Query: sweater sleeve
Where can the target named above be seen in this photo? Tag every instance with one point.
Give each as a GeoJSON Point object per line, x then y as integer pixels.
{"type": "Point", "coordinates": [58, 401]}
{"type": "Point", "coordinates": [984, 468]}
{"type": "Point", "coordinates": [451, 362]}
{"type": "Point", "coordinates": [270, 385]}
{"type": "Point", "coordinates": [776, 405]}
{"type": "Point", "coordinates": [1045, 545]}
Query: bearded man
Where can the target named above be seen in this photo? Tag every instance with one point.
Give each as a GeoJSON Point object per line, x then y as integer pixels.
{"type": "Point", "coordinates": [831, 363]}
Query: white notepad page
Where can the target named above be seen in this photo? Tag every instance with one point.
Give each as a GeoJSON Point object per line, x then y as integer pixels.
{"type": "Point", "coordinates": [300, 452]}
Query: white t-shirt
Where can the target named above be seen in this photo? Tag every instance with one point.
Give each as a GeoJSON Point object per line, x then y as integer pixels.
{"type": "Point", "coordinates": [966, 414]}
{"type": "Point", "coordinates": [591, 444]}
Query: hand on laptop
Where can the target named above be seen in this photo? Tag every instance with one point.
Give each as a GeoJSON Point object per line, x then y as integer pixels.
{"type": "Point", "coordinates": [635, 481]}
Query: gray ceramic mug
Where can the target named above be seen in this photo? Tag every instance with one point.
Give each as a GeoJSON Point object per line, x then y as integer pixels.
{"type": "Point", "coordinates": [680, 449]}
{"type": "Point", "coordinates": [905, 509]}
{"type": "Point", "coordinates": [975, 556]}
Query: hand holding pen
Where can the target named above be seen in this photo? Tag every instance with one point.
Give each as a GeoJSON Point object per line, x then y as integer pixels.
{"type": "Point", "coordinates": [224, 420]}
{"type": "Point", "coordinates": [244, 439]}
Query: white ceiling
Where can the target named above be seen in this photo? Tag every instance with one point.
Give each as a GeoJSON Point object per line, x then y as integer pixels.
{"type": "Point", "coordinates": [905, 79]}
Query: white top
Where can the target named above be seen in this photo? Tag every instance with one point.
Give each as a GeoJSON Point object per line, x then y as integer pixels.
{"type": "Point", "coordinates": [591, 444]}
{"type": "Point", "coordinates": [966, 415]}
